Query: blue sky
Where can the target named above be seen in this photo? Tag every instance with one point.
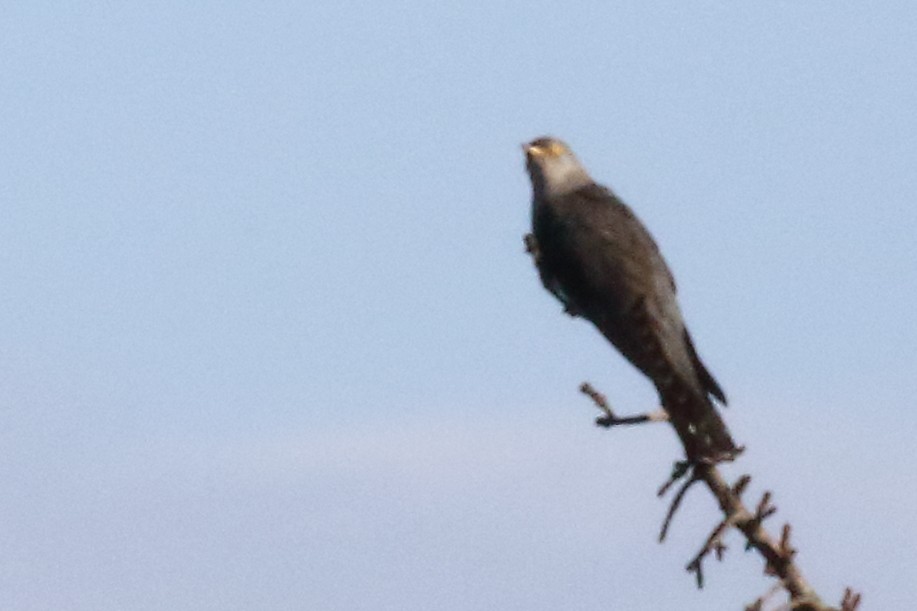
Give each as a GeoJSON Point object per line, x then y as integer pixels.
{"type": "Point", "coordinates": [269, 340]}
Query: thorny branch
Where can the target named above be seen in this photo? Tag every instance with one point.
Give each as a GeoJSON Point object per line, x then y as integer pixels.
{"type": "Point", "coordinates": [779, 556]}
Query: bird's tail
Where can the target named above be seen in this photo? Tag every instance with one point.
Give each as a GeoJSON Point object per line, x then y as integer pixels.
{"type": "Point", "coordinates": [697, 422]}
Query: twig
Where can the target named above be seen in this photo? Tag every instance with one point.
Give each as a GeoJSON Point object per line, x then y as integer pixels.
{"type": "Point", "coordinates": [679, 470]}
{"type": "Point", "coordinates": [758, 605]}
{"type": "Point", "coordinates": [779, 556]}
{"type": "Point", "coordinates": [610, 419]}
{"type": "Point", "coordinates": [851, 600]}
{"type": "Point", "coordinates": [676, 502]}
{"type": "Point", "coordinates": [786, 550]}
{"type": "Point", "coordinates": [764, 510]}
{"type": "Point", "coordinates": [714, 543]}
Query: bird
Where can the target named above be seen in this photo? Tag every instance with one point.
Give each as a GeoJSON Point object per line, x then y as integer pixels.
{"type": "Point", "coordinates": [599, 260]}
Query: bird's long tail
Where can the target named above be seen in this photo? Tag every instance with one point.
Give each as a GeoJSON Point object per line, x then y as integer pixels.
{"type": "Point", "coordinates": [697, 422]}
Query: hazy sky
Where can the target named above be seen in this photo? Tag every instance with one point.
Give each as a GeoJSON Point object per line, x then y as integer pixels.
{"type": "Point", "coordinates": [269, 340]}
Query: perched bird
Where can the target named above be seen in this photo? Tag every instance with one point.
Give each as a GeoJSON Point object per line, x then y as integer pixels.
{"type": "Point", "coordinates": [599, 260]}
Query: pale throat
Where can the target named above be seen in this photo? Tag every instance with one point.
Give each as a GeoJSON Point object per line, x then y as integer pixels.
{"type": "Point", "coordinates": [564, 174]}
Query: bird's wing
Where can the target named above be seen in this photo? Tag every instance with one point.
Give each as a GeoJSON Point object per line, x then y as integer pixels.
{"type": "Point", "coordinates": [612, 270]}
{"type": "Point", "coordinates": [619, 258]}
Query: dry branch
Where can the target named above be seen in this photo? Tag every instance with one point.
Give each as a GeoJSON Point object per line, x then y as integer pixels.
{"type": "Point", "coordinates": [779, 556]}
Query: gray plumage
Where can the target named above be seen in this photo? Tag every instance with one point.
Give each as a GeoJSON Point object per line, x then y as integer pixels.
{"type": "Point", "coordinates": [599, 260]}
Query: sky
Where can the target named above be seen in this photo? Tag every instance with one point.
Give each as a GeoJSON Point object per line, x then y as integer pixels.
{"type": "Point", "coordinates": [269, 338]}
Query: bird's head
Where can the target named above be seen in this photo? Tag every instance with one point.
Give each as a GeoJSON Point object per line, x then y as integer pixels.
{"type": "Point", "coordinates": [553, 167]}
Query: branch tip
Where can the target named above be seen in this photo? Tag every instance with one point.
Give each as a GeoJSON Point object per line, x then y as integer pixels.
{"type": "Point", "coordinates": [608, 418]}
{"type": "Point", "coordinates": [714, 544]}
{"type": "Point", "coordinates": [778, 553]}
{"type": "Point", "coordinates": [676, 503]}
{"type": "Point", "coordinates": [786, 549]}
{"type": "Point", "coordinates": [679, 470]}
{"type": "Point", "coordinates": [739, 487]}
{"type": "Point", "coordinates": [851, 601]}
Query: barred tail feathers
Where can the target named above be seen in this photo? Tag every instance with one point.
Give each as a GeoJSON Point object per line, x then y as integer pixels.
{"type": "Point", "coordinates": [697, 422]}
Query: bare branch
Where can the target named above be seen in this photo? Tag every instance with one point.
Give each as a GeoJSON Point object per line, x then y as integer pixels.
{"type": "Point", "coordinates": [764, 510]}
{"type": "Point", "coordinates": [786, 550]}
{"type": "Point", "coordinates": [758, 605]}
{"type": "Point", "coordinates": [714, 543]}
{"type": "Point", "coordinates": [851, 601]}
{"type": "Point", "coordinates": [610, 419]}
{"type": "Point", "coordinates": [779, 555]}
{"type": "Point", "coordinates": [676, 502]}
{"type": "Point", "coordinates": [679, 470]}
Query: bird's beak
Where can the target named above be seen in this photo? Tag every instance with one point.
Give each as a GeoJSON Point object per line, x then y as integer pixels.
{"type": "Point", "coordinates": [531, 150]}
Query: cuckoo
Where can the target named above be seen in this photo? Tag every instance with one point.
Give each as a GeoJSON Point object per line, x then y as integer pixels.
{"type": "Point", "coordinates": [600, 261]}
